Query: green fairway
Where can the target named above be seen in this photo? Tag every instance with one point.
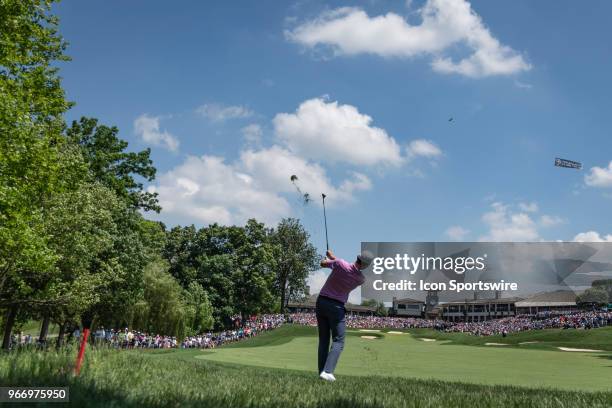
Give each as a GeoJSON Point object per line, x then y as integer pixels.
{"type": "Point", "coordinates": [599, 339]}
{"type": "Point", "coordinates": [402, 355]}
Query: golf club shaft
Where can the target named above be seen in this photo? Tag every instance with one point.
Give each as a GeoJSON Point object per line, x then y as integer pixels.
{"type": "Point", "coordinates": [325, 219]}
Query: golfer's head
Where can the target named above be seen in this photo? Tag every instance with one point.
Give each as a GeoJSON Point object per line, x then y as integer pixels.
{"type": "Point", "coordinates": [364, 259]}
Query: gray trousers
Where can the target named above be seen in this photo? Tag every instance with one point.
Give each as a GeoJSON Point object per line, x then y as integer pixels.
{"type": "Point", "coordinates": [331, 325]}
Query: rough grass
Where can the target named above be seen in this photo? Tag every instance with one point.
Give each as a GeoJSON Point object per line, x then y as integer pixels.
{"type": "Point", "coordinates": [162, 379]}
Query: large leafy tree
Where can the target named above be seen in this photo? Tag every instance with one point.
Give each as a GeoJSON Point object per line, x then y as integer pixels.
{"type": "Point", "coordinates": [110, 163]}
{"type": "Point", "coordinates": [81, 226]}
{"type": "Point", "coordinates": [199, 313]}
{"type": "Point", "coordinates": [295, 258]}
{"type": "Point", "coordinates": [162, 309]}
{"type": "Point", "coordinates": [32, 165]}
{"type": "Point", "coordinates": [234, 265]}
{"type": "Point", "coordinates": [594, 295]}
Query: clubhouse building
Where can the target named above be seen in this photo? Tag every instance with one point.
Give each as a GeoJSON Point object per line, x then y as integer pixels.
{"type": "Point", "coordinates": [478, 310]}
{"type": "Point", "coordinates": [407, 307]}
{"type": "Point", "coordinates": [468, 310]}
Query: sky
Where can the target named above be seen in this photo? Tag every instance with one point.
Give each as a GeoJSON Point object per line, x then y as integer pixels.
{"type": "Point", "coordinates": [434, 120]}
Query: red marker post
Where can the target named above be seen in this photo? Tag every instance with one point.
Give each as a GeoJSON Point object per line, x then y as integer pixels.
{"type": "Point", "coordinates": [79, 361]}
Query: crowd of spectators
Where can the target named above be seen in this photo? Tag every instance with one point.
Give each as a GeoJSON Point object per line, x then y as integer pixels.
{"type": "Point", "coordinates": [241, 330]}
{"type": "Point", "coordinates": [252, 326]}
{"type": "Point", "coordinates": [580, 320]}
{"type": "Point", "coordinates": [577, 320]}
{"type": "Point", "coordinates": [371, 322]}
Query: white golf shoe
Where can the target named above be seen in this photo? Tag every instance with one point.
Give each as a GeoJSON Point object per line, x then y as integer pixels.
{"type": "Point", "coordinates": [327, 376]}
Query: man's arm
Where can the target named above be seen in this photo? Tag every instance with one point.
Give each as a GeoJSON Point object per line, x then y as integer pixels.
{"type": "Point", "coordinates": [329, 259]}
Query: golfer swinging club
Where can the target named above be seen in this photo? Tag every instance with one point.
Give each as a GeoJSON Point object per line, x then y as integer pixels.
{"type": "Point", "coordinates": [330, 307]}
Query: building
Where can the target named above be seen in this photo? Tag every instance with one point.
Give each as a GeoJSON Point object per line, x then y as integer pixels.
{"type": "Point", "coordinates": [557, 301]}
{"type": "Point", "coordinates": [478, 310]}
{"type": "Point", "coordinates": [308, 305]}
{"type": "Point", "coordinates": [407, 307]}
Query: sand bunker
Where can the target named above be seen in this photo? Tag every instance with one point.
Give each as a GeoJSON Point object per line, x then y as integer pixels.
{"type": "Point", "coordinates": [369, 330]}
{"type": "Point", "coordinates": [496, 344]}
{"type": "Point", "coordinates": [576, 349]}
{"type": "Point", "coordinates": [395, 332]}
{"type": "Point", "coordinates": [425, 339]}
{"type": "Point", "coordinates": [369, 337]}
{"type": "Point", "coordinates": [529, 342]}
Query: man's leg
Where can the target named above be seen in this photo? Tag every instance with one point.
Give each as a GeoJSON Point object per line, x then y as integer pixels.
{"type": "Point", "coordinates": [324, 329]}
{"type": "Point", "coordinates": [338, 328]}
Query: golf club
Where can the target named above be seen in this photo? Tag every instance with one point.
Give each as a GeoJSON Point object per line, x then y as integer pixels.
{"type": "Point", "coordinates": [325, 218]}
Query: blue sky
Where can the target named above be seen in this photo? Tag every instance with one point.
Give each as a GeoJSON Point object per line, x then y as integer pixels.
{"type": "Point", "coordinates": [354, 98]}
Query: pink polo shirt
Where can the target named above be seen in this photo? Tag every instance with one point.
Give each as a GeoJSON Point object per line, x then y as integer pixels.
{"type": "Point", "coordinates": [343, 279]}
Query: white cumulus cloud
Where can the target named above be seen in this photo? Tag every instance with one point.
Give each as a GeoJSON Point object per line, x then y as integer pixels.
{"type": "Point", "coordinates": [592, 236]}
{"type": "Point", "coordinates": [423, 148]}
{"type": "Point", "coordinates": [330, 131]}
{"type": "Point", "coordinates": [206, 189]}
{"type": "Point", "coordinates": [273, 167]}
{"type": "Point", "coordinates": [506, 225]}
{"type": "Point", "coordinates": [147, 127]}
{"type": "Point", "coordinates": [599, 176]}
{"type": "Point", "coordinates": [445, 24]}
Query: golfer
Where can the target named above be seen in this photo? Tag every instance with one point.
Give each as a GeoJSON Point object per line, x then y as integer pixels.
{"type": "Point", "coordinates": [330, 307]}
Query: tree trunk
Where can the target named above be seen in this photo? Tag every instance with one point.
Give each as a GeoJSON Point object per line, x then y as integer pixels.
{"type": "Point", "coordinates": [60, 335]}
{"type": "Point", "coordinates": [8, 326]}
{"type": "Point", "coordinates": [44, 329]}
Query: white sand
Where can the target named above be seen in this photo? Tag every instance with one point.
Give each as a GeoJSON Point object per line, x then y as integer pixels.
{"type": "Point", "coordinates": [395, 332]}
{"type": "Point", "coordinates": [496, 344]}
{"type": "Point", "coordinates": [425, 339]}
{"type": "Point", "coordinates": [369, 330]}
{"type": "Point", "coordinates": [529, 342]}
{"type": "Point", "coordinates": [369, 337]}
{"type": "Point", "coordinates": [575, 349]}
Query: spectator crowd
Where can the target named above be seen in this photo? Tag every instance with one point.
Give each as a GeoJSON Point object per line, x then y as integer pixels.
{"type": "Point", "coordinates": [252, 326]}
{"type": "Point", "coordinates": [550, 320]}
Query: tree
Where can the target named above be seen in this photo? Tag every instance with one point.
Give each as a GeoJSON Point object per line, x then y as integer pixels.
{"type": "Point", "coordinates": [254, 275]}
{"type": "Point", "coordinates": [381, 309]}
{"type": "Point", "coordinates": [605, 284]}
{"type": "Point", "coordinates": [199, 316]}
{"type": "Point", "coordinates": [594, 295]}
{"type": "Point", "coordinates": [112, 166]}
{"type": "Point", "coordinates": [295, 258]}
{"type": "Point", "coordinates": [80, 226]}
{"type": "Point", "coordinates": [31, 147]}
{"type": "Point", "coordinates": [369, 302]}
{"type": "Point", "coordinates": [161, 309]}
{"type": "Point", "coordinates": [181, 252]}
